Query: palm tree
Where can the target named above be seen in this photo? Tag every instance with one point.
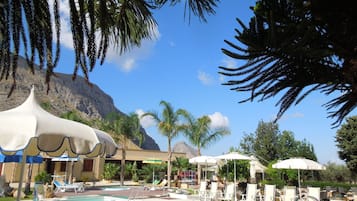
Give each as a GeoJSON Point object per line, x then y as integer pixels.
{"type": "Point", "coordinates": [199, 133]}
{"type": "Point", "coordinates": [96, 25]}
{"type": "Point", "coordinates": [169, 126]}
{"type": "Point", "coordinates": [124, 128]}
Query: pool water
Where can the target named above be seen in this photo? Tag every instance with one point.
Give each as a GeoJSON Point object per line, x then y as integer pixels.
{"type": "Point", "coordinates": [115, 188]}
{"type": "Point", "coordinates": [93, 198]}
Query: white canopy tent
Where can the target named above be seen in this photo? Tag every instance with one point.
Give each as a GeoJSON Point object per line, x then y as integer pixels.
{"type": "Point", "coordinates": [30, 128]}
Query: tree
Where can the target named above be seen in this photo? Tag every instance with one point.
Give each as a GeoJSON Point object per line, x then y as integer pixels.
{"type": "Point", "coordinates": [295, 48]}
{"type": "Point", "coordinates": [270, 144]}
{"type": "Point", "coordinates": [199, 133]}
{"type": "Point", "coordinates": [337, 173]}
{"type": "Point", "coordinates": [263, 142]}
{"type": "Point", "coordinates": [346, 142]}
{"type": "Point", "coordinates": [169, 125]}
{"type": "Point", "coordinates": [124, 128]}
{"type": "Point", "coordinates": [26, 26]}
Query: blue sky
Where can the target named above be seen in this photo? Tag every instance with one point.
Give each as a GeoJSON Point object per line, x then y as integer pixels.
{"type": "Point", "coordinates": [180, 66]}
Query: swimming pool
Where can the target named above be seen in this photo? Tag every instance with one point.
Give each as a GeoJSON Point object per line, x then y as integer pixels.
{"type": "Point", "coordinates": [92, 198]}
{"type": "Point", "coordinates": [114, 188]}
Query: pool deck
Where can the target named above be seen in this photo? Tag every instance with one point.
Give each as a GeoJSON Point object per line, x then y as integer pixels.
{"type": "Point", "coordinates": [134, 192]}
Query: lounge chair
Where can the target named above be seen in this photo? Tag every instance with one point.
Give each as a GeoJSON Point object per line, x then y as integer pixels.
{"type": "Point", "coordinates": [160, 185]}
{"type": "Point", "coordinates": [228, 193]}
{"type": "Point", "coordinates": [251, 193]}
{"type": "Point", "coordinates": [63, 187]}
{"type": "Point", "coordinates": [313, 193]}
{"type": "Point", "coordinates": [269, 192]}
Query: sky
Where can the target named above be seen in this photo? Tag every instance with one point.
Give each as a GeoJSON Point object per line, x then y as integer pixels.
{"type": "Point", "coordinates": [180, 66]}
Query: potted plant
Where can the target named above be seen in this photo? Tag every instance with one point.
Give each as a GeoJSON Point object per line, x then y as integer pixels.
{"type": "Point", "coordinates": [41, 180]}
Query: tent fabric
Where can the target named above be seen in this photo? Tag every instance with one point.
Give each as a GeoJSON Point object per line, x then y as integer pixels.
{"type": "Point", "coordinates": [29, 127]}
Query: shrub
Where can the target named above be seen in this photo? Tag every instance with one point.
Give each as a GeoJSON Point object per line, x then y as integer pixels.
{"type": "Point", "coordinates": [110, 170]}
{"type": "Point", "coordinates": [43, 177]}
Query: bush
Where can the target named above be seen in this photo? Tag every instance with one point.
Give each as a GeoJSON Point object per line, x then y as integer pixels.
{"type": "Point", "coordinates": [110, 170]}
{"type": "Point", "coordinates": [43, 177]}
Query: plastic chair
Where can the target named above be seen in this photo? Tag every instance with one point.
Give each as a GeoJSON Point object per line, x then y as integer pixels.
{"type": "Point", "coordinates": [289, 193]}
{"type": "Point", "coordinates": [269, 192]}
{"type": "Point", "coordinates": [228, 193]}
{"type": "Point", "coordinates": [313, 193]}
{"type": "Point", "coordinates": [251, 193]}
{"type": "Point", "coordinates": [202, 192]}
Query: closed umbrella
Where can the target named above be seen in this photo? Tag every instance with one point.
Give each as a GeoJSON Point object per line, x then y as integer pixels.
{"type": "Point", "coordinates": [30, 128]}
{"type": "Point", "coordinates": [299, 164]}
{"type": "Point", "coordinates": [234, 156]}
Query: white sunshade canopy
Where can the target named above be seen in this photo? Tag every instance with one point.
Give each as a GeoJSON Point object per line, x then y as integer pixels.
{"type": "Point", "coordinates": [233, 156]}
{"type": "Point", "coordinates": [30, 128]}
{"type": "Point", "coordinates": [298, 164]}
{"type": "Point", "coordinates": [204, 160]}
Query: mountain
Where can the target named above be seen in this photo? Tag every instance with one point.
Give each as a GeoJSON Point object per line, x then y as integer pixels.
{"type": "Point", "coordinates": [185, 148]}
{"type": "Point", "coordinates": [65, 95]}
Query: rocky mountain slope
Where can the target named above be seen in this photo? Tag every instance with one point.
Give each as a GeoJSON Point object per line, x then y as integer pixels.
{"type": "Point", "coordinates": [183, 147]}
{"type": "Point", "coordinates": [65, 95]}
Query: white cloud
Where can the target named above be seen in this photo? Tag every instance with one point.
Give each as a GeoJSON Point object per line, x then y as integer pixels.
{"type": "Point", "coordinates": [172, 44]}
{"type": "Point", "coordinates": [205, 78]}
{"type": "Point", "coordinates": [127, 61]}
{"type": "Point", "coordinates": [146, 121]}
{"type": "Point", "coordinates": [291, 116]}
{"type": "Point", "coordinates": [218, 120]}
{"type": "Point", "coordinates": [229, 63]}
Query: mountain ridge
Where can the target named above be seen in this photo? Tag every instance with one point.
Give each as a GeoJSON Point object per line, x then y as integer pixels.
{"type": "Point", "coordinates": [65, 95]}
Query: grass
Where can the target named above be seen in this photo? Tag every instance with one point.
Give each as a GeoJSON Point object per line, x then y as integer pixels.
{"type": "Point", "coordinates": [27, 197]}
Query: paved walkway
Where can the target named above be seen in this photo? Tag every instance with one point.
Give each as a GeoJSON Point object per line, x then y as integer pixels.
{"type": "Point", "coordinates": [130, 191]}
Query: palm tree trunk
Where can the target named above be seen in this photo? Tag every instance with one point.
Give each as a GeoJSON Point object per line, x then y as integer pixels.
{"type": "Point", "coordinates": [169, 164]}
{"type": "Point", "coordinates": [122, 168]}
{"type": "Point", "coordinates": [198, 166]}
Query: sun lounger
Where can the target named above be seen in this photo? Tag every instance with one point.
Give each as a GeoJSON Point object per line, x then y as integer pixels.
{"type": "Point", "coordinates": [62, 187]}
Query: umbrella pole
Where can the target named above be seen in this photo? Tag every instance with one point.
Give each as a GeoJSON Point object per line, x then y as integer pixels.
{"type": "Point", "coordinates": [153, 176]}
{"type": "Point", "coordinates": [235, 182]}
{"type": "Point", "coordinates": [299, 184]}
{"type": "Point", "coordinates": [21, 177]}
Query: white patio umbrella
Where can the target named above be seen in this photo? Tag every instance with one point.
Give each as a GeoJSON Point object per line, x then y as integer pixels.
{"type": "Point", "coordinates": [234, 156]}
{"type": "Point", "coordinates": [299, 164]}
{"type": "Point", "coordinates": [30, 128]}
{"type": "Point", "coordinates": [204, 160]}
